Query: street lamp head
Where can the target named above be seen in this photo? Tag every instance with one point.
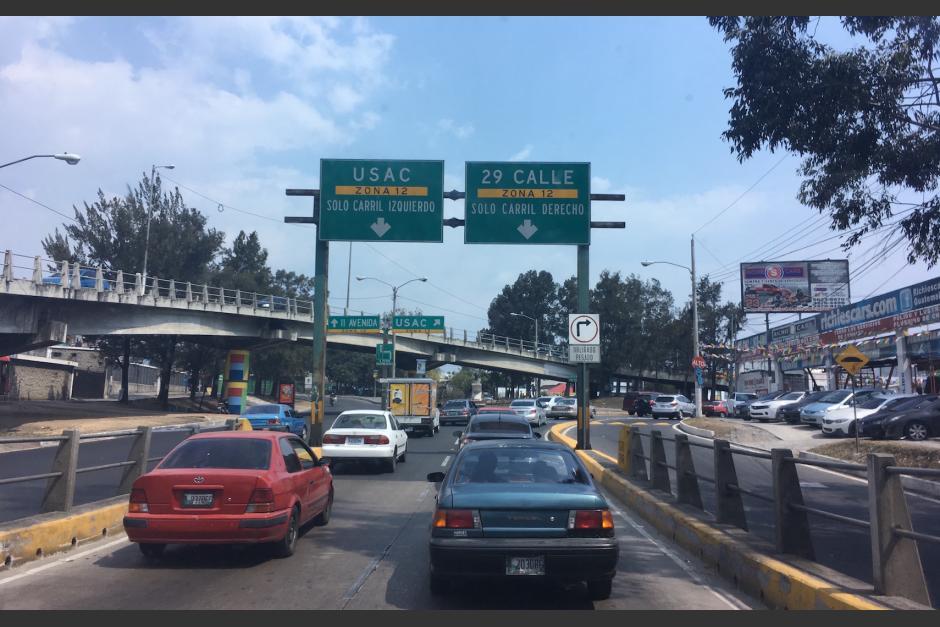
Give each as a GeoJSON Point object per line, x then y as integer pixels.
{"type": "Point", "coordinates": [360, 278]}
{"type": "Point", "coordinates": [68, 157]}
{"type": "Point", "coordinates": [423, 279]}
{"type": "Point", "coordinates": [646, 263]}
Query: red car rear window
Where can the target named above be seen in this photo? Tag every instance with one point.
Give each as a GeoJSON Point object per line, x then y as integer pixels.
{"type": "Point", "coordinates": [234, 453]}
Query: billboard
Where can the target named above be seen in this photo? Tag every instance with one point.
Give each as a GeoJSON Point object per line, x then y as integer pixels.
{"type": "Point", "coordinates": [794, 286]}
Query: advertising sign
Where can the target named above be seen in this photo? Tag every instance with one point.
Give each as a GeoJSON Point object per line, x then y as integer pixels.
{"type": "Point", "coordinates": [285, 394]}
{"type": "Point", "coordinates": [794, 286]}
{"type": "Point", "coordinates": [420, 399]}
{"type": "Point", "coordinates": [398, 399]}
{"type": "Point", "coordinates": [421, 366]}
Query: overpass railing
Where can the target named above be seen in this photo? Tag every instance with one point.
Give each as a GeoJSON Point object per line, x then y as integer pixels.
{"type": "Point", "coordinates": [896, 566]}
{"type": "Point", "coordinates": [61, 478]}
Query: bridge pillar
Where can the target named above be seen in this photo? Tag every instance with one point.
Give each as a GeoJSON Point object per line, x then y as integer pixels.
{"type": "Point", "coordinates": [8, 265]}
{"type": "Point", "coordinates": [236, 381]}
{"type": "Point", "coordinates": [904, 363]}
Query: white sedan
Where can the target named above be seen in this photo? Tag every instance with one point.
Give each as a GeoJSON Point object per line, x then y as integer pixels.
{"type": "Point", "coordinates": [365, 435]}
{"type": "Point", "coordinates": [673, 406]}
{"type": "Point", "coordinates": [842, 421]}
{"type": "Point", "coordinates": [530, 410]}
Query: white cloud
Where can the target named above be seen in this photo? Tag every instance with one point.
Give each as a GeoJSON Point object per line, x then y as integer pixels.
{"type": "Point", "coordinates": [599, 184]}
{"type": "Point", "coordinates": [344, 98]}
{"type": "Point", "coordinates": [523, 154]}
{"type": "Point", "coordinates": [460, 131]}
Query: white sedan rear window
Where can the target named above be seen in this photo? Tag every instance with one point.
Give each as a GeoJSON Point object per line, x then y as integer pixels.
{"type": "Point", "coordinates": [361, 421]}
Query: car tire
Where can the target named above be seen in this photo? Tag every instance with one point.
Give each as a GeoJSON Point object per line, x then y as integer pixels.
{"type": "Point", "coordinates": [323, 518]}
{"type": "Point", "coordinates": [286, 545]}
{"type": "Point", "coordinates": [600, 589]}
{"type": "Point", "coordinates": [916, 431]}
{"type": "Point", "coordinates": [151, 551]}
{"type": "Point", "coordinates": [401, 458]}
{"type": "Point", "coordinates": [439, 585]}
{"type": "Point", "coordinates": [392, 463]}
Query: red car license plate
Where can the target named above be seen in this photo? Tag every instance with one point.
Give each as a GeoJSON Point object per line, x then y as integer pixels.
{"type": "Point", "coordinates": [197, 499]}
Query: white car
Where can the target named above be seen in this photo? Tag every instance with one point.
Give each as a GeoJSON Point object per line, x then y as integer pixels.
{"type": "Point", "coordinates": [815, 413]}
{"type": "Point", "coordinates": [771, 410]}
{"type": "Point", "coordinates": [365, 435]}
{"type": "Point", "coordinates": [672, 406]}
{"type": "Point", "coordinates": [530, 410]}
{"type": "Point", "coordinates": [842, 421]}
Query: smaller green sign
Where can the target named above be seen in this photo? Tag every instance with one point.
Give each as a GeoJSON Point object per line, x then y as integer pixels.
{"type": "Point", "coordinates": [418, 324]}
{"type": "Point", "coordinates": [383, 355]}
{"type": "Point", "coordinates": [353, 324]}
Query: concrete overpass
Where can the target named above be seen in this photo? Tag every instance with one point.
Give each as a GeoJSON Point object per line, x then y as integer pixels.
{"type": "Point", "coordinates": [41, 310]}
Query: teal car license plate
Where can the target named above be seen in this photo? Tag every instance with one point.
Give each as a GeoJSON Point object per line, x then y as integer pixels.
{"type": "Point", "coordinates": [534, 565]}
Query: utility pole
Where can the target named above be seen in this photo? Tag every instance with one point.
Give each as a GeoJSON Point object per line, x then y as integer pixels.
{"type": "Point", "coordinates": [698, 388]}
{"type": "Point", "coordinates": [584, 382]}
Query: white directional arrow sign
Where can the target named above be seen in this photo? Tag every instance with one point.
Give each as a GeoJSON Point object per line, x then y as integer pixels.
{"type": "Point", "coordinates": [584, 338]}
{"type": "Point", "coordinates": [380, 227]}
{"type": "Point", "coordinates": [527, 229]}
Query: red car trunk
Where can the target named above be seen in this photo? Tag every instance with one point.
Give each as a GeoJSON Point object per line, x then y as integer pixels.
{"type": "Point", "coordinates": [231, 490]}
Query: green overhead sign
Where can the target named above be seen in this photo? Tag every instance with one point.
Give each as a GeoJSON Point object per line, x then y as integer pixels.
{"type": "Point", "coordinates": [527, 203]}
{"type": "Point", "coordinates": [353, 324]}
{"type": "Point", "coordinates": [383, 355]}
{"type": "Point", "coordinates": [381, 200]}
{"type": "Point", "coordinates": [418, 324]}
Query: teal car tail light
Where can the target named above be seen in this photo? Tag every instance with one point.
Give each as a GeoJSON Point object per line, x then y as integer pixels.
{"type": "Point", "coordinates": [457, 519]}
{"type": "Point", "coordinates": [591, 522]}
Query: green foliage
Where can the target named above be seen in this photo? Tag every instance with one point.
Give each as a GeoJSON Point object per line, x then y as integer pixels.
{"type": "Point", "coordinates": [866, 121]}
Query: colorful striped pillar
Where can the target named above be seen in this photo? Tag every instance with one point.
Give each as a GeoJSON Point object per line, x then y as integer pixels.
{"type": "Point", "coordinates": [236, 381]}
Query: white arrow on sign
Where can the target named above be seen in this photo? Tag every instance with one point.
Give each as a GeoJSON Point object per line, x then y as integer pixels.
{"type": "Point", "coordinates": [380, 227]}
{"type": "Point", "coordinates": [527, 229]}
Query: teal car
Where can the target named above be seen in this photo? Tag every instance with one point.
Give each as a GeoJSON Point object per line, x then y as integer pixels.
{"type": "Point", "coordinates": [509, 509]}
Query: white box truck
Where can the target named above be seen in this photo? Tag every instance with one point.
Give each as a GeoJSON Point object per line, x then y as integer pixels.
{"type": "Point", "coordinates": [413, 402]}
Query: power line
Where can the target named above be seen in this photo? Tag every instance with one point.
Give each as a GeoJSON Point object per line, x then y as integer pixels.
{"type": "Point", "coordinates": [13, 191]}
{"type": "Point", "coordinates": [735, 201]}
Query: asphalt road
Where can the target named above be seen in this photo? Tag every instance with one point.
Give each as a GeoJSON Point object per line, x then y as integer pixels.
{"type": "Point", "coordinates": [372, 555]}
{"type": "Point", "coordinates": [839, 546]}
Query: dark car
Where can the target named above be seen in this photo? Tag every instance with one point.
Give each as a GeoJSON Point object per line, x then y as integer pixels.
{"type": "Point", "coordinates": [791, 413]}
{"type": "Point", "coordinates": [525, 509]}
{"type": "Point", "coordinates": [643, 406]}
{"type": "Point", "coordinates": [630, 399]}
{"type": "Point", "coordinates": [458, 411]}
{"type": "Point", "coordinates": [496, 426]}
{"type": "Point", "coordinates": [917, 419]}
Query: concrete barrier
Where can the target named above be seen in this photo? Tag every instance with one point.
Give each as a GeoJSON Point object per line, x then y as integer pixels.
{"type": "Point", "coordinates": [777, 583]}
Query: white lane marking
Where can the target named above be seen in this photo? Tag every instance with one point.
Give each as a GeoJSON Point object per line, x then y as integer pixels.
{"type": "Point", "coordinates": [729, 601]}
{"type": "Point", "coordinates": [424, 494]}
{"type": "Point", "coordinates": [446, 459]}
{"type": "Point", "coordinates": [63, 559]}
{"type": "Point", "coordinates": [457, 441]}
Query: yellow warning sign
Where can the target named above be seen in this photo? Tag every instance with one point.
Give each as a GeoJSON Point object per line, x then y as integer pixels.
{"type": "Point", "coordinates": [852, 360]}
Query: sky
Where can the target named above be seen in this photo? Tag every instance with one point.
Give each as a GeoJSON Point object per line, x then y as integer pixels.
{"type": "Point", "coordinates": [246, 107]}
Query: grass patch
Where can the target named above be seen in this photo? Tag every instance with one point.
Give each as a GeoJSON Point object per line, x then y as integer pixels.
{"type": "Point", "coordinates": [911, 454]}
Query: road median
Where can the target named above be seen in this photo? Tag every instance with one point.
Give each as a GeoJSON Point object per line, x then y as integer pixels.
{"type": "Point", "coordinates": [780, 581]}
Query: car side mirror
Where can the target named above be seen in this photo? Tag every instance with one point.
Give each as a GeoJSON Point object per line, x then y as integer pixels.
{"type": "Point", "coordinates": [435, 477]}
{"type": "Point", "coordinates": [536, 435]}
{"type": "Point", "coordinates": [324, 461]}
{"type": "Point", "coordinates": [458, 433]}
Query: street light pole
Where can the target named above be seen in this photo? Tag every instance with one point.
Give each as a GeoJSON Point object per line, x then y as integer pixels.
{"type": "Point", "coordinates": [153, 201]}
{"type": "Point", "coordinates": [68, 157]}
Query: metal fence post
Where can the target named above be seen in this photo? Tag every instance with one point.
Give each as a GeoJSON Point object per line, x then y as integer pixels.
{"type": "Point", "coordinates": [686, 481]}
{"type": "Point", "coordinates": [119, 283]}
{"type": "Point", "coordinates": [60, 491]}
{"type": "Point", "coordinates": [896, 565]}
{"type": "Point", "coordinates": [623, 449]}
{"type": "Point", "coordinates": [637, 463]}
{"type": "Point", "coordinates": [791, 525]}
{"type": "Point", "coordinates": [730, 507]}
{"type": "Point", "coordinates": [658, 463]}
{"type": "Point", "coordinates": [139, 454]}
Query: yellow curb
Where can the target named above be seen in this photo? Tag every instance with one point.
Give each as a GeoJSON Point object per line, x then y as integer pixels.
{"type": "Point", "coordinates": [776, 583]}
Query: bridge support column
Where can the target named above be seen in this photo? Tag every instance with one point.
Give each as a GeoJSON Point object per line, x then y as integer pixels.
{"type": "Point", "coordinates": [904, 364]}
{"type": "Point", "coordinates": [236, 381]}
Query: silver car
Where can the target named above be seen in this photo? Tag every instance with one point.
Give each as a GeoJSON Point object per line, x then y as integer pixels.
{"type": "Point", "coordinates": [530, 410]}
{"type": "Point", "coordinates": [673, 406]}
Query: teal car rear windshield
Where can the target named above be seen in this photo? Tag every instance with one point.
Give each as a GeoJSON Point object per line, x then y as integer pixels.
{"type": "Point", "coordinates": [519, 466]}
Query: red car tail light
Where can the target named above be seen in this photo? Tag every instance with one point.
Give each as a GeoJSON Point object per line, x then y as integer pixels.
{"type": "Point", "coordinates": [376, 439]}
{"type": "Point", "coordinates": [591, 520]}
{"type": "Point", "coordinates": [457, 519]}
{"type": "Point", "coordinates": [330, 438]}
{"type": "Point", "coordinates": [261, 501]}
{"type": "Point", "coordinates": [138, 503]}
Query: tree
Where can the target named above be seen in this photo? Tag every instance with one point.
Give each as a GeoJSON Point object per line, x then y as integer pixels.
{"type": "Point", "coordinates": [244, 267]}
{"type": "Point", "coordinates": [460, 385]}
{"type": "Point", "coordinates": [866, 121]}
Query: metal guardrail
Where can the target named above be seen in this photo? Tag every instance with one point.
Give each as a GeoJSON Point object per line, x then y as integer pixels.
{"type": "Point", "coordinates": [897, 569]}
{"type": "Point", "coordinates": [59, 494]}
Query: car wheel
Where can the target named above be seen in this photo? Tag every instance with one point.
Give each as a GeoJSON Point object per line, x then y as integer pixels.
{"type": "Point", "coordinates": [600, 589]}
{"type": "Point", "coordinates": [151, 551]}
{"type": "Point", "coordinates": [401, 457]}
{"type": "Point", "coordinates": [323, 518]}
{"type": "Point", "coordinates": [916, 430]}
{"type": "Point", "coordinates": [286, 545]}
{"type": "Point", "coordinates": [392, 463]}
{"type": "Point", "coordinates": [439, 585]}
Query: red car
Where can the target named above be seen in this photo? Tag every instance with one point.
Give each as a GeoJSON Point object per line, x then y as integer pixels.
{"type": "Point", "coordinates": [230, 487]}
{"type": "Point", "coordinates": [716, 408]}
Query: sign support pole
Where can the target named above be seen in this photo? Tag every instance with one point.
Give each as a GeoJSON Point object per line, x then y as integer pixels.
{"type": "Point", "coordinates": [320, 314]}
{"type": "Point", "coordinates": [386, 368]}
{"type": "Point", "coordinates": [855, 413]}
{"type": "Point", "coordinates": [583, 391]}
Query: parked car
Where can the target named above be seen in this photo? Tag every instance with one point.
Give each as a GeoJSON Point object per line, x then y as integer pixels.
{"type": "Point", "coordinates": [740, 402]}
{"type": "Point", "coordinates": [458, 411]}
{"type": "Point", "coordinates": [230, 487]}
{"type": "Point", "coordinates": [814, 413]}
{"type": "Point", "coordinates": [918, 419]}
{"type": "Point", "coordinates": [630, 399]}
{"type": "Point", "coordinates": [765, 411]}
{"type": "Point", "coordinates": [770, 396]}
{"type": "Point", "coordinates": [366, 435]}
{"type": "Point", "coordinates": [791, 412]}
{"type": "Point", "coordinates": [843, 421]}
{"type": "Point", "coordinates": [521, 509]}
{"type": "Point", "coordinates": [720, 408]}
{"type": "Point", "coordinates": [673, 406]}
{"type": "Point", "coordinates": [87, 279]}
{"type": "Point", "coordinates": [277, 417]}
{"type": "Point", "coordinates": [531, 410]}
{"type": "Point", "coordinates": [643, 405]}
{"type": "Point", "coordinates": [496, 426]}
